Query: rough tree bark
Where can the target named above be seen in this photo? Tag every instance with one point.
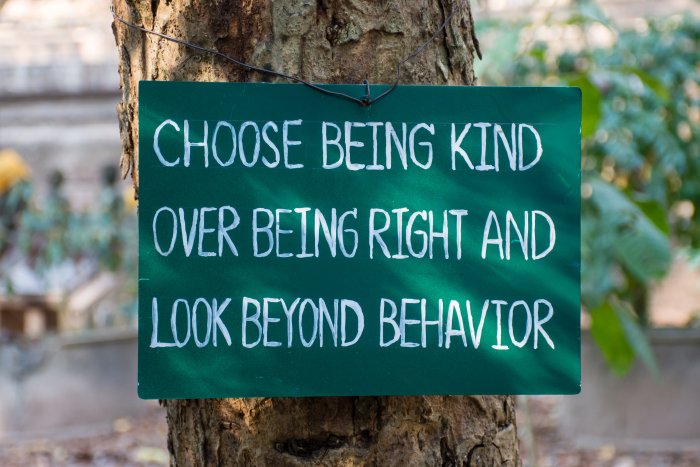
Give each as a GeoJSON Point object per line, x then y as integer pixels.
{"type": "Point", "coordinates": [329, 41]}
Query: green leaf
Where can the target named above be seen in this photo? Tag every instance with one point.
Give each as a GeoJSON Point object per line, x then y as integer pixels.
{"type": "Point", "coordinates": [592, 104]}
{"type": "Point", "coordinates": [609, 335]}
{"type": "Point", "coordinates": [589, 13]}
{"type": "Point", "coordinates": [577, 20]}
{"type": "Point", "coordinates": [639, 245]}
{"type": "Point", "coordinates": [538, 53]}
{"type": "Point", "coordinates": [650, 81]}
{"type": "Point", "coordinates": [643, 249]}
{"type": "Point", "coordinates": [655, 213]}
{"type": "Point", "coordinates": [635, 336]}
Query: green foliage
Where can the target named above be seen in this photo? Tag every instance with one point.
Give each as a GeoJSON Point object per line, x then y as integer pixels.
{"type": "Point", "coordinates": [609, 335]}
{"type": "Point", "coordinates": [641, 156]}
{"type": "Point", "coordinates": [620, 337]}
{"type": "Point", "coordinates": [112, 232]}
{"type": "Point", "coordinates": [635, 242]}
{"type": "Point", "coordinates": [12, 202]}
{"type": "Point", "coordinates": [634, 334]}
{"type": "Point", "coordinates": [591, 105]}
{"type": "Point", "coordinates": [49, 233]}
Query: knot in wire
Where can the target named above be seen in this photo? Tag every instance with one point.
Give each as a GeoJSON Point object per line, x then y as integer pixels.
{"type": "Point", "coordinates": [367, 99]}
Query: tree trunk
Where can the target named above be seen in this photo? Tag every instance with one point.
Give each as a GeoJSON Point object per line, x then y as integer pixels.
{"type": "Point", "coordinates": [329, 41]}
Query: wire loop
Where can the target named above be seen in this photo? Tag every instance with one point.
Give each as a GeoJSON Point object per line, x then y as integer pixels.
{"type": "Point", "coordinates": [365, 101]}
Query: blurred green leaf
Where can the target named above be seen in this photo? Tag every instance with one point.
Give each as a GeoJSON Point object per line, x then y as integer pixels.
{"type": "Point", "coordinates": [655, 213]}
{"type": "Point", "coordinates": [643, 249]}
{"type": "Point", "coordinates": [640, 245]}
{"type": "Point", "coordinates": [592, 100]}
{"type": "Point", "coordinates": [650, 81]}
{"type": "Point", "coordinates": [635, 336]}
{"type": "Point", "coordinates": [577, 20]}
{"type": "Point", "coordinates": [609, 335]}
{"type": "Point", "coordinates": [592, 10]}
{"type": "Point", "coordinates": [588, 13]}
{"type": "Point", "coordinates": [538, 53]}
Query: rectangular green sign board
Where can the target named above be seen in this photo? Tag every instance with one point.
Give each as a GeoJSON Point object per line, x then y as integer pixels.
{"type": "Point", "coordinates": [296, 244]}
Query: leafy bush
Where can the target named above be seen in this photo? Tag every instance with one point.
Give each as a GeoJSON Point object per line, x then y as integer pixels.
{"type": "Point", "coordinates": [641, 155]}
{"type": "Point", "coordinates": [62, 246]}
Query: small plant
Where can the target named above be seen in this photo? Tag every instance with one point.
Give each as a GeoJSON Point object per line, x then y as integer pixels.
{"type": "Point", "coordinates": [62, 246]}
{"type": "Point", "coordinates": [15, 192]}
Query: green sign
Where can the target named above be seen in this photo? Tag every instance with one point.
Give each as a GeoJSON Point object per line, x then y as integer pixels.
{"type": "Point", "coordinates": [296, 244]}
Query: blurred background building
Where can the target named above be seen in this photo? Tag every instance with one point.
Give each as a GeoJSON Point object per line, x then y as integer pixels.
{"type": "Point", "coordinates": [59, 87]}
